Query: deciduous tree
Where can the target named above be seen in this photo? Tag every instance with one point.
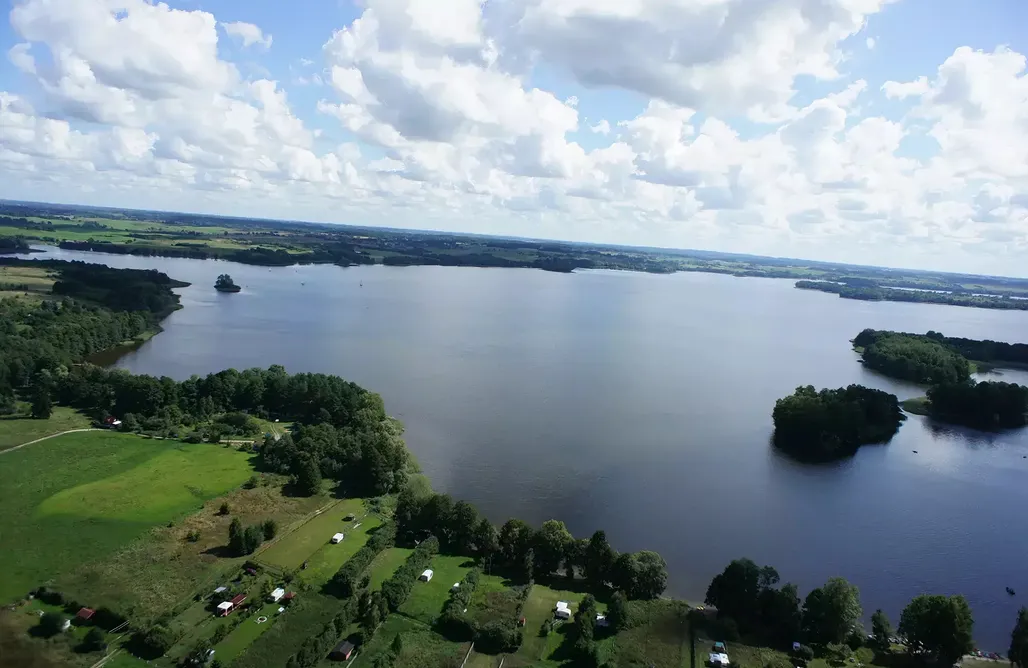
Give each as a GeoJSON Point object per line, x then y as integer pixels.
{"type": "Point", "coordinates": [938, 628]}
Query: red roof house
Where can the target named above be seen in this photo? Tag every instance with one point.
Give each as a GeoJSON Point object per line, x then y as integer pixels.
{"type": "Point", "coordinates": [85, 614]}
{"type": "Point", "coordinates": [237, 600]}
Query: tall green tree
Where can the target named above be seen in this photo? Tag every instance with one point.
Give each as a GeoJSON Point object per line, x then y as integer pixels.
{"type": "Point", "coordinates": [42, 405]}
{"type": "Point", "coordinates": [617, 612]}
{"type": "Point", "coordinates": [599, 559]}
{"type": "Point", "coordinates": [550, 545]}
{"type": "Point", "coordinates": [881, 629]}
{"type": "Point", "coordinates": [308, 477]}
{"type": "Point", "coordinates": [831, 613]}
{"type": "Point", "coordinates": [1019, 640]}
{"type": "Point", "coordinates": [515, 540]}
{"type": "Point", "coordinates": [585, 625]}
{"type": "Point", "coordinates": [463, 522]}
{"type": "Point", "coordinates": [938, 628]}
{"type": "Point", "coordinates": [236, 544]}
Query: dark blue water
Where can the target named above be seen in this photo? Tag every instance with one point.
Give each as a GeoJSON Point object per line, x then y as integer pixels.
{"type": "Point", "coordinates": [641, 404]}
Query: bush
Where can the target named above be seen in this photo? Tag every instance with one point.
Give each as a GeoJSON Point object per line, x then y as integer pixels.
{"type": "Point", "coordinates": [396, 589]}
{"type": "Point", "coordinates": [270, 528]}
{"type": "Point", "coordinates": [94, 641]}
{"type": "Point", "coordinates": [344, 583]}
{"type": "Point", "coordinates": [50, 624]}
{"type": "Point", "coordinates": [223, 509]}
{"type": "Point", "coordinates": [498, 637]}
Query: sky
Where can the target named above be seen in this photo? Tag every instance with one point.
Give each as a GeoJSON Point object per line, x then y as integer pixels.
{"type": "Point", "coordinates": [886, 132]}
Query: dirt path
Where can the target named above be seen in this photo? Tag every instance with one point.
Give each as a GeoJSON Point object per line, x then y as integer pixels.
{"type": "Point", "coordinates": [61, 433]}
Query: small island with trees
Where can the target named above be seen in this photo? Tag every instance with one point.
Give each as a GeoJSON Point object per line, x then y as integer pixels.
{"type": "Point", "coordinates": [226, 284]}
{"type": "Point", "coordinates": [944, 364]}
{"type": "Point", "coordinates": [832, 424]}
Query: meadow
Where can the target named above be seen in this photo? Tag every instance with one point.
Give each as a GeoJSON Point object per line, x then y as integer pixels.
{"type": "Point", "coordinates": [314, 534]}
{"type": "Point", "coordinates": [18, 429]}
{"type": "Point", "coordinates": [82, 496]}
{"type": "Point", "coordinates": [427, 599]}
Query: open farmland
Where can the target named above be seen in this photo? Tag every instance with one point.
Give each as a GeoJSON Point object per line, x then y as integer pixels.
{"type": "Point", "coordinates": [91, 493]}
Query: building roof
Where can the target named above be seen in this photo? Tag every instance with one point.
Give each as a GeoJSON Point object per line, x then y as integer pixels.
{"type": "Point", "coordinates": [344, 647]}
{"type": "Point", "coordinates": [220, 589]}
{"type": "Point", "coordinates": [562, 605]}
{"type": "Point", "coordinates": [238, 599]}
{"type": "Point", "coordinates": [290, 596]}
{"type": "Point", "coordinates": [224, 605]}
{"type": "Point", "coordinates": [338, 536]}
{"type": "Point", "coordinates": [85, 613]}
{"type": "Point", "coordinates": [278, 592]}
{"type": "Point", "coordinates": [428, 573]}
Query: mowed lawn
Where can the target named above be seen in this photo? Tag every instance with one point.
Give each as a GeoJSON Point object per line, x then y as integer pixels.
{"type": "Point", "coordinates": [83, 496]}
{"type": "Point", "coordinates": [427, 599]}
{"type": "Point", "coordinates": [296, 548]}
{"type": "Point", "coordinates": [329, 558]}
{"type": "Point", "coordinates": [16, 430]}
{"type": "Point", "coordinates": [538, 608]}
{"type": "Point", "coordinates": [385, 564]}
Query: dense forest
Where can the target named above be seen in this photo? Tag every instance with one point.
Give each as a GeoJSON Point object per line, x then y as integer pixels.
{"type": "Point", "coordinates": [14, 245]}
{"type": "Point", "coordinates": [874, 292]}
{"type": "Point", "coordinates": [986, 405]}
{"type": "Point", "coordinates": [109, 306]}
{"type": "Point", "coordinates": [832, 424]}
{"type": "Point", "coordinates": [942, 362]}
{"type": "Point", "coordinates": [919, 359]}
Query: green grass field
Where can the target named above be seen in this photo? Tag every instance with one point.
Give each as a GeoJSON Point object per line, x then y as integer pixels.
{"type": "Point", "coordinates": [385, 564]}
{"type": "Point", "coordinates": [329, 558]}
{"type": "Point", "coordinates": [538, 608]}
{"type": "Point", "coordinates": [916, 405]}
{"type": "Point", "coordinates": [427, 599]}
{"type": "Point", "coordinates": [18, 429]}
{"type": "Point", "coordinates": [305, 617]}
{"type": "Point", "coordinates": [159, 572]}
{"type": "Point", "coordinates": [658, 636]}
{"type": "Point", "coordinates": [309, 538]}
{"type": "Point", "coordinates": [241, 637]}
{"type": "Point", "coordinates": [83, 496]}
{"type": "Point", "coordinates": [421, 647]}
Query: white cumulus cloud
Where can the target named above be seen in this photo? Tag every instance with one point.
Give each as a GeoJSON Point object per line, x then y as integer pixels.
{"type": "Point", "coordinates": [248, 33]}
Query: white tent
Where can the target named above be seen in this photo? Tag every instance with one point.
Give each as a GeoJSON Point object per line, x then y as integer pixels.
{"type": "Point", "coordinates": [427, 575]}
{"type": "Point", "coordinates": [338, 538]}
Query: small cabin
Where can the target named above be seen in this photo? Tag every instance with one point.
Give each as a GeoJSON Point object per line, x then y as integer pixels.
{"type": "Point", "coordinates": [224, 608]}
{"type": "Point", "coordinates": [276, 595]}
{"type": "Point", "coordinates": [562, 610]}
{"type": "Point", "coordinates": [338, 538]}
{"type": "Point", "coordinates": [342, 652]}
{"type": "Point", "coordinates": [427, 575]}
{"type": "Point", "coordinates": [85, 614]}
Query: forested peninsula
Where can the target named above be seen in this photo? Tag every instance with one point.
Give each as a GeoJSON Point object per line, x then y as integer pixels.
{"type": "Point", "coordinates": [944, 364]}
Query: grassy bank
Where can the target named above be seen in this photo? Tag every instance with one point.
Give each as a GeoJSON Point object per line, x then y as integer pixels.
{"type": "Point", "coordinates": [917, 405]}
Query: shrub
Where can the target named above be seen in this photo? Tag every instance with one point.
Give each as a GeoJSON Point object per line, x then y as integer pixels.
{"type": "Point", "coordinates": [223, 509]}
{"type": "Point", "coordinates": [396, 589]}
{"type": "Point", "coordinates": [50, 624]}
{"type": "Point", "coordinates": [270, 528]}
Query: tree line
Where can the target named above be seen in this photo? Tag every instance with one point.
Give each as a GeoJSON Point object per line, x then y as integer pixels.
{"type": "Point", "coordinates": [833, 423]}
{"type": "Point", "coordinates": [941, 362]}
{"type": "Point", "coordinates": [918, 359]}
{"type": "Point", "coordinates": [753, 605]}
{"type": "Point", "coordinates": [876, 292]}
{"type": "Point", "coordinates": [526, 553]}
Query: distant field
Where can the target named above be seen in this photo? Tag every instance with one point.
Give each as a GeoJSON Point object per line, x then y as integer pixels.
{"type": "Point", "coordinates": [306, 540]}
{"type": "Point", "coordinates": [18, 429]}
{"type": "Point", "coordinates": [24, 282]}
{"type": "Point", "coordinates": [427, 599]}
{"type": "Point", "coordinates": [81, 497]}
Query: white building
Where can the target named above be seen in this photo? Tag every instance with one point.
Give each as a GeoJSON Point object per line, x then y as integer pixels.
{"type": "Point", "coordinates": [562, 611]}
{"type": "Point", "coordinates": [338, 538]}
{"type": "Point", "coordinates": [427, 575]}
{"type": "Point", "coordinates": [277, 595]}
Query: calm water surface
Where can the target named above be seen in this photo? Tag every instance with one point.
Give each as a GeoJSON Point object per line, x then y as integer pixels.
{"type": "Point", "coordinates": [641, 404]}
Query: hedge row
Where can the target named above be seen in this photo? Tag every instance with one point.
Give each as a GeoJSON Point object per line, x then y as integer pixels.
{"type": "Point", "coordinates": [346, 580]}
{"type": "Point", "coordinates": [453, 622]}
{"type": "Point", "coordinates": [316, 648]}
{"type": "Point", "coordinates": [396, 589]}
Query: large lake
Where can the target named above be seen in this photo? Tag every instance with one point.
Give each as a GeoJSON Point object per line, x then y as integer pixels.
{"type": "Point", "coordinates": [641, 404]}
